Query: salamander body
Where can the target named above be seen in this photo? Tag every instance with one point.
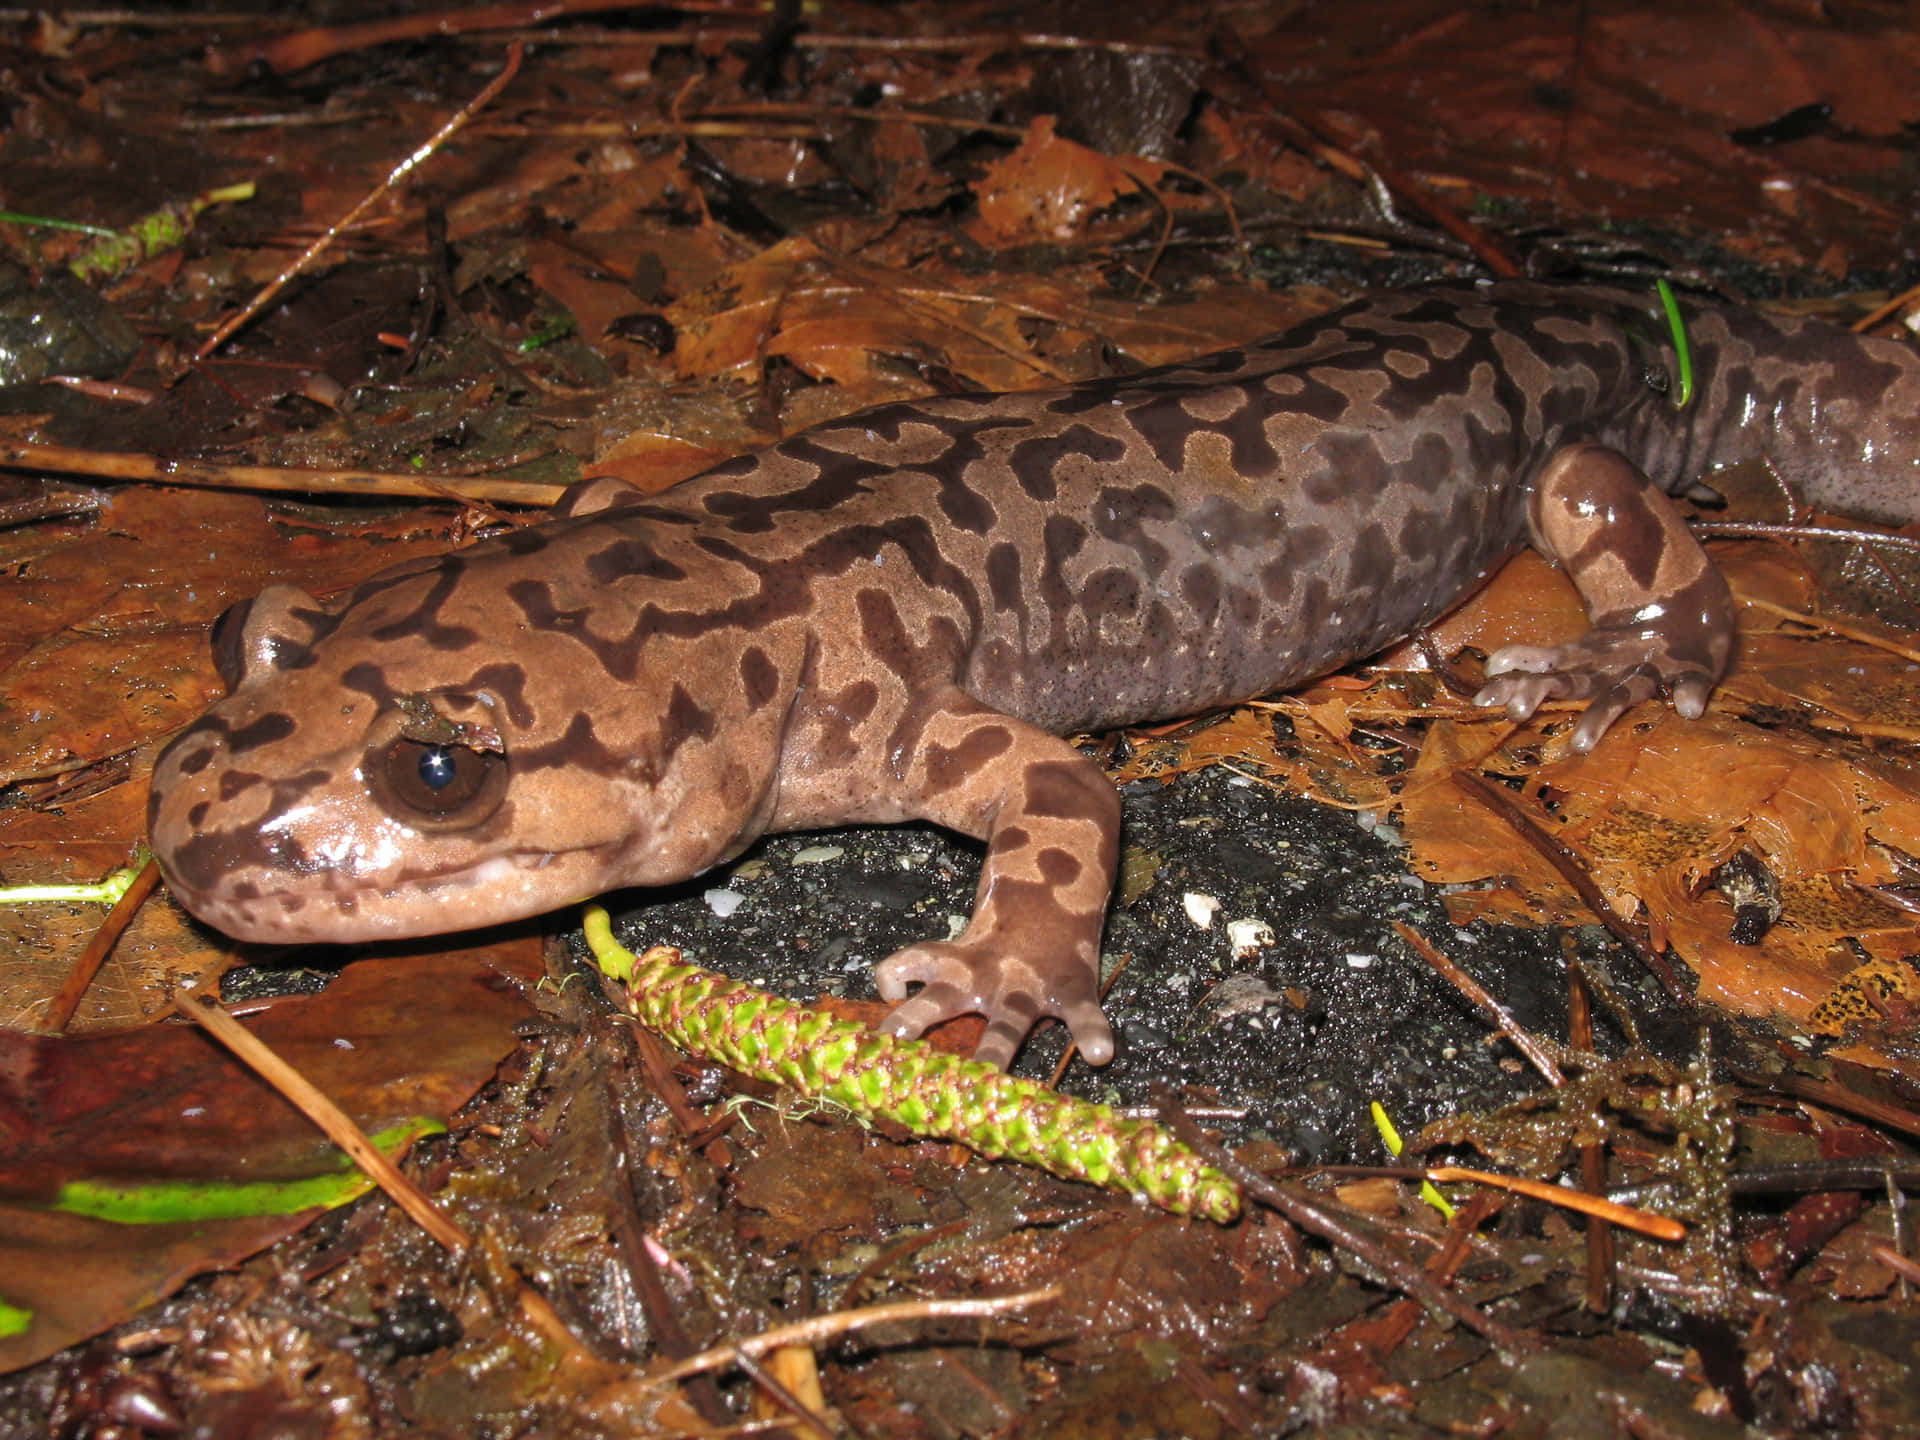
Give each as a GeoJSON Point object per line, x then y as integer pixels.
{"type": "Point", "coordinates": [899, 613]}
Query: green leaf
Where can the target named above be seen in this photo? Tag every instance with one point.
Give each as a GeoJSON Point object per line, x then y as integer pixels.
{"type": "Point", "coordinates": [168, 1202]}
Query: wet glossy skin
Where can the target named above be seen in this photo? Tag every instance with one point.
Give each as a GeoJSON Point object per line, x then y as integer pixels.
{"type": "Point", "coordinates": [897, 614]}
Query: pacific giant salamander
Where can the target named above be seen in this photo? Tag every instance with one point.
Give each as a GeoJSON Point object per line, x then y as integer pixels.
{"type": "Point", "coordinates": [899, 613]}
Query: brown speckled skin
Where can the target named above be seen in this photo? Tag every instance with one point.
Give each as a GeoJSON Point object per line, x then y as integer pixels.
{"type": "Point", "coordinates": [897, 615]}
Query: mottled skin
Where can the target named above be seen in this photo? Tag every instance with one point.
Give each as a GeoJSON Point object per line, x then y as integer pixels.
{"type": "Point", "coordinates": [897, 615]}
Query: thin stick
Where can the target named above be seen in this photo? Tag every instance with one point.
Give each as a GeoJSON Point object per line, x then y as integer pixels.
{"type": "Point", "coordinates": [983, 39]}
{"type": "Point", "coordinates": [1898, 302]}
{"type": "Point", "coordinates": [1483, 245]}
{"type": "Point", "coordinates": [1660, 1227]}
{"type": "Point", "coordinates": [1834, 627]}
{"type": "Point", "coordinates": [778, 110]}
{"type": "Point", "coordinates": [1523, 1039]}
{"type": "Point", "coordinates": [1390, 1332]}
{"type": "Point", "coordinates": [822, 1328]}
{"type": "Point", "coordinates": [1226, 205]}
{"type": "Point", "coordinates": [205, 1010]}
{"type": "Point", "coordinates": [784, 1397]}
{"type": "Point", "coordinates": [1318, 1219]}
{"type": "Point", "coordinates": [1838, 1097]}
{"type": "Point", "coordinates": [147, 19]}
{"type": "Point", "coordinates": [60, 1015]}
{"type": "Point", "coordinates": [1593, 1155]}
{"type": "Point", "coordinates": [655, 129]}
{"type": "Point", "coordinates": [301, 48]}
{"type": "Point", "coordinates": [1770, 530]}
{"type": "Point", "coordinates": [116, 465]}
{"type": "Point", "coordinates": [399, 172]}
{"type": "Point", "coordinates": [1898, 1263]}
{"type": "Point", "coordinates": [1803, 1176]}
{"type": "Point", "coordinates": [1861, 730]}
{"type": "Point", "coordinates": [1575, 874]}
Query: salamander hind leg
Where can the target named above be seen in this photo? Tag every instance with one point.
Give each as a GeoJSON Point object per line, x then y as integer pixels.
{"type": "Point", "coordinates": [1662, 614]}
{"type": "Point", "coordinates": [1051, 821]}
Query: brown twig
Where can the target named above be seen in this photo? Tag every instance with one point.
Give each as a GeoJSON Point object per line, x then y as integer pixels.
{"type": "Point", "coordinates": [1771, 530]}
{"type": "Point", "coordinates": [1831, 626]}
{"type": "Point", "coordinates": [204, 1010]}
{"type": "Point", "coordinates": [1792, 1177]}
{"type": "Point", "coordinates": [60, 1013]}
{"type": "Point", "coordinates": [1839, 1097]}
{"type": "Point", "coordinates": [146, 19]}
{"type": "Point", "coordinates": [301, 48]}
{"type": "Point", "coordinates": [399, 172]}
{"type": "Point", "coordinates": [705, 1133]}
{"type": "Point", "coordinates": [633, 1244]}
{"type": "Point", "coordinates": [1502, 1019]}
{"type": "Point", "coordinates": [1225, 200]}
{"type": "Point", "coordinates": [1487, 249]}
{"type": "Point", "coordinates": [147, 469]}
{"type": "Point", "coordinates": [1317, 1219]}
{"type": "Point", "coordinates": [651, 130]}
{"type": "Point", "coordinates": [1660, 1227]}
{"type": "Point", "coordinates": [787, 110]}
{"type": "Point", "coordinates": [821, 1328]}
{"type": "Point", "coordinates": [1575, 874]}
{"type": "Point", "coordinates": [1898, 1263]}
{"type": "Point", "coordinates": [810, 1419]}
{"type": "Point", "coordinates": [1384, 1335]}
{"type": "Point", "coordinates": [1896, 304]}
{"type": "Point", "coordinates": [1593, 1155]}
{"type": "Point", "coordinates": [1007, 39]}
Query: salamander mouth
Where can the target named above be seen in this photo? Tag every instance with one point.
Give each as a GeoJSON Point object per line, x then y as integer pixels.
{"type": "Point", "coordinates": [332, 907]}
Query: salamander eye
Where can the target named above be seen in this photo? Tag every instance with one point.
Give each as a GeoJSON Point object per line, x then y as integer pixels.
{"type": "Point", "coordinates": [443, 783]}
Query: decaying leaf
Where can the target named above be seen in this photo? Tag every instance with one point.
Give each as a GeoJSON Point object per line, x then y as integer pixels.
{"type": "Point", "coordinates": [389, 1040]}
{"type": "Point", "coordinates": [1049, 189]}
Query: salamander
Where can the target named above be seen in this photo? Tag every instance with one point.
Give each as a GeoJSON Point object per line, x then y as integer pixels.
{"type": "Point", "coordinates": [901, 613]}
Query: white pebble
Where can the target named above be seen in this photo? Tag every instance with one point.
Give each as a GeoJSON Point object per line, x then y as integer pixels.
{"type": "Point", "coordinates": [1249, 937]}
{"type": "Point", "coordinates": [1200, 908]}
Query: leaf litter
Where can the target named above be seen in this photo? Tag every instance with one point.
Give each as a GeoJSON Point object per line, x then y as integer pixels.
{"type": "Point", "coordinates": [643, 260]}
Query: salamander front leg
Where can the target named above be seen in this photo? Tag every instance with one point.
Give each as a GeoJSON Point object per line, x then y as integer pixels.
{"type": "Point", "coordinates": [1051, 821]}
{"type": "Point", "coordinates": [1662, 614]}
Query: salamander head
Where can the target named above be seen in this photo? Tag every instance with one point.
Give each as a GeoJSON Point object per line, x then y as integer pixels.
{"type": "Point", "coordinates": [364, 780]}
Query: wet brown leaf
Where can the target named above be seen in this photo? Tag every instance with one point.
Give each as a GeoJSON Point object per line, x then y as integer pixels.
{"type": "Point", "coordinates": [120, 659]}
{"type": "Point", "coordinates": [652, 461]}
{"type": "Point", "coordinates": [1659, 803]}
{"type": "Point", "coordinates": [1049, 189]}
{"type": "Point", "coordinates": [390, 1039]}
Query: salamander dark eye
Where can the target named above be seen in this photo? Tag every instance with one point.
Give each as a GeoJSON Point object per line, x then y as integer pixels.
{"type": "Point", "coordinates": [441, 783]}
{"type": "Point", "coordinates": [439, 768]}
